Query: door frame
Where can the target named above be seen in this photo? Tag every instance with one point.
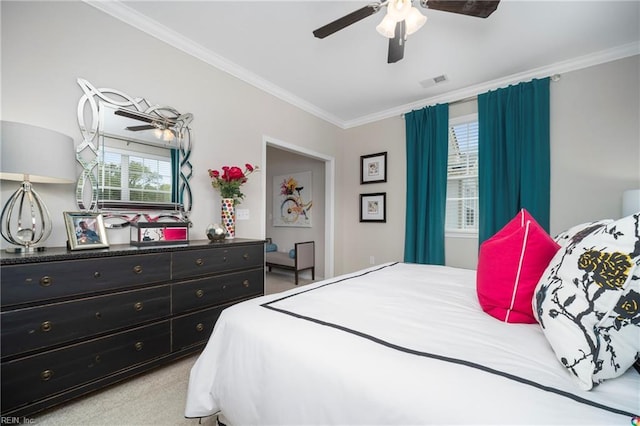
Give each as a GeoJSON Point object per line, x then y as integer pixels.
{"type": "Point", "coordinates": [329, 195]}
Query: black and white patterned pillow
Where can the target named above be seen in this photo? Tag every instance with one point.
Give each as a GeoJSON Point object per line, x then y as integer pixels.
{"type": "Point", "coordinates": [579, 231]}
{"type": "Point", "coordinates": [588, 301]}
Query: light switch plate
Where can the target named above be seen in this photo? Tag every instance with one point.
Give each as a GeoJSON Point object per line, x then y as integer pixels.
{"type": "Point", "coordinates": [242, 214]}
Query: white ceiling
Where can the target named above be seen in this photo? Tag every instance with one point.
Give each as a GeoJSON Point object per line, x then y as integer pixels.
{"type": "Point", "coordinates": [345, 78]}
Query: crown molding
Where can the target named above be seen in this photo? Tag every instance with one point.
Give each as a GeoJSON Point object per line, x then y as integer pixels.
{"type": "Point", "coordinates": [134, 18]}
{"type": "Point", "coordinates": [601, 57]}
{"type": "Point", "coordinates": [155, 29]}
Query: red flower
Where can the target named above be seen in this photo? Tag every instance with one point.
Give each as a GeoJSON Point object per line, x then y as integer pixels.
{"type": "Point", "coordinates": [229, 182]}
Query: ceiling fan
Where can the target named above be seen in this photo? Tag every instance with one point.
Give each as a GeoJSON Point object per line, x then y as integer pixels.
{"type": "Point", "coordinates": [402, 19]}
{"type": "Point", "coordinates": [163, 125]}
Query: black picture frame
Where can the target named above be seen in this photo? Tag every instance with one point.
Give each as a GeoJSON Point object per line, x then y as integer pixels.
{"type": "Point", "coordinates": [373, 168]}
{"type": "Point", "coordinates": [373, 207]}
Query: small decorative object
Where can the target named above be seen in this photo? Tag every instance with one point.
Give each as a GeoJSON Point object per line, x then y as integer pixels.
{"type": "Point", "coordinates": [373, 207]}
{"type": "Point", "coordinates": [159, 233]}
{"type": "Point", "coordinates": [85, 230]}
{"type": "Point", "coordinates": [373, 168]}
{"type": "Point", "coordinates": [216, 232]}
{"type": "Point", "coordinates": [228, 183]}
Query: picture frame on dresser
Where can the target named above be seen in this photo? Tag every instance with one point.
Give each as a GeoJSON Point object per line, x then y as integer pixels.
{"type": "Point", "coordinates": [85, 231]}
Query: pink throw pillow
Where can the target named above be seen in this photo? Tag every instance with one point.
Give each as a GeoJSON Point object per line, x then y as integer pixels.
{"type": "Point", "coordinates": [510, 265]}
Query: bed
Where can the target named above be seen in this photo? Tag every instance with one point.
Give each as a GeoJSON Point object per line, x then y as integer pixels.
{"type": "Point", "coordinates": [394, 344]}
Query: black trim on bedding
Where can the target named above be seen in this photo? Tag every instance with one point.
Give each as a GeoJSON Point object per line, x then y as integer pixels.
{"type": "Point", "coordinates": [431, 355]}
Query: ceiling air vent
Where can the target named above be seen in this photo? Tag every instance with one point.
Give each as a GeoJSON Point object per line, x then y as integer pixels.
{"type": "Point", "coordinates": [433, 81]}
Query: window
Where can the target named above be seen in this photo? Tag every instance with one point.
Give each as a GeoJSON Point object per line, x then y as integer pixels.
{"type": "Point", "coordinates": [462, 176]}
{"type": "Point", "coordinates": [141, 177]}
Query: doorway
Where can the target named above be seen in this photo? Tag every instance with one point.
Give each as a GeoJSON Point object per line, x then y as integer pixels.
{"type": "Point", "coordinates": [280, 158]}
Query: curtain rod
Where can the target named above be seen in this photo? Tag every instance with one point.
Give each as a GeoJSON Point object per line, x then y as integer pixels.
{"type": "Point", "coordinates": [554, 78]}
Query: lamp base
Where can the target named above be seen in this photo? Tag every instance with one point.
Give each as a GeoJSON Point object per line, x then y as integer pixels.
{"type": "Point", "coordinates": [25, 250]}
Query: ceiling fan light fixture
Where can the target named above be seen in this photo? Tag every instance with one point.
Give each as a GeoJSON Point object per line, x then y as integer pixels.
{"type": "Point", "coordinates": [387, 27]}
{"type": "Point", "coordinates": [414, 20]}
{"type": "Point", "coordinates": [398, 10]}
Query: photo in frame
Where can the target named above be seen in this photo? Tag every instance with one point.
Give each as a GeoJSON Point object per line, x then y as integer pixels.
{"type": "Point", "coordinates": [85, 230]}
{"type": "Point", "coordinates": [373, 207]}
{"type": "Point", "coordinates": [373, 168]}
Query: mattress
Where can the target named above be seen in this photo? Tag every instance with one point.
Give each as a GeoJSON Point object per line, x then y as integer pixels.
{"type": "Point", "coordinates": [398, 343]}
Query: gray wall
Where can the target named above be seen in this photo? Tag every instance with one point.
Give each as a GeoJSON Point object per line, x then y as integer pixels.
{"type": "Point", "coordinates": [46, 46]}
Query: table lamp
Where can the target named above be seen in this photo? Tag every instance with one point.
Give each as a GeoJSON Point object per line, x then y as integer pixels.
{"type": "Point", "coordinates": [630, 202]}
{"type": "Point", "coordinates": [31, 154]}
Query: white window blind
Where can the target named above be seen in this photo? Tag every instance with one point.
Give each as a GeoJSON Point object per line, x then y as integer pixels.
{"type": "Point", "coordinates": [126, 177]}
{"type": "Point", "coordinates": [462, 176]}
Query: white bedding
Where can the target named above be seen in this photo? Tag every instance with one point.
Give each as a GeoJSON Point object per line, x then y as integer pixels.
{"type": "Point", "coordinates": [399, 344]}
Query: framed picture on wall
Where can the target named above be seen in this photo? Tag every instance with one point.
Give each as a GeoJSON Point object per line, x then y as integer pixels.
{"type": "Point", "coordinates": [292, 200]}
{"type": "Point", "coordinates": [373, 207]}
{"type": "Point", "coordinates": [85, 230]}
{"type": "Point", "coordinates": [373, 168]}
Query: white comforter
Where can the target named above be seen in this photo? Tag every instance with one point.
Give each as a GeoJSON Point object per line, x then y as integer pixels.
{"type": "Point", "coordinates": [397, 344]}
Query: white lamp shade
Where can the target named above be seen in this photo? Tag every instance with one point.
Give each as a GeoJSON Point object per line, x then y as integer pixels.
{"type": "Point", "coordinates": [415, 20]}
{"type": "Point", "coordinates": [36, 154]}
{"type": "Point", "coordinates": [630, 202]}
{"type": "Point", "coordinates": [387, 27]}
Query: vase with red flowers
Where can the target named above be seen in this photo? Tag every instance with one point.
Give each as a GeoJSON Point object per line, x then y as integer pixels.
{"type": "Point", "coordinates": [229, 182]}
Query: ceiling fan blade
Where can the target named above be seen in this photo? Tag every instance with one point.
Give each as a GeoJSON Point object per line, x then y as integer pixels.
{"type": "Point", "coordinates": [396, 44]}
{"type": "Point", "coordinates": [346, 20]}
{"type": "Point", "coordinates": [134, 115]}
{"type": "Point", "coordinates": [138, 128]}
{"type": "Point", "coordinates": [477, 8]}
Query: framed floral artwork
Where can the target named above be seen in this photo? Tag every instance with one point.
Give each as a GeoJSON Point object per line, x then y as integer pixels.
{"type": "Point", "coordinates": [373, 168]}
{"type": "Point", "coordinates": [85, 230]}
{"type": "Point", "coordinates": [373, 207]}
{"type": "Point", "coordinates": [292, 200]}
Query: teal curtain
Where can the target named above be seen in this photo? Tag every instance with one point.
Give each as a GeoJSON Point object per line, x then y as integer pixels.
{"type": "Point", "coordinates": [514, 158]}
{"type": "Point", "coordinates": [175, 176]}
{"type": "Point", "coordinates": [427, 150]}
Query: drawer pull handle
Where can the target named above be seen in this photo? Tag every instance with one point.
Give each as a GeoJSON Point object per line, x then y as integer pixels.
{"type": "Point", "coordinates": [199, 262]}
{"type": "Point", "coordinates": [138, 306]}
{"type": "Point", "coordinates": [245, 256]}
{"type": "Point", "coordinates": [98, 315]}
{"type": "Point", "coordinates": [97, 358]}
{"type": "Point", "coordinates": [46, 326]}
{"type": "Point", "coordinates": [200, 327]}
{"type": "Point", "coordinates": [199, 293]}
{"type": "Point", "coordinates": [46, 281]}
{"type": "Point", "coordinates": [138, 346]}
{"type": "Point", "coordinates": [97, 274]}
{"type": "Point", "coordinates": [137, 269]}
{"type": "Point", "coordinates": [46, 375]}
{"type": "Point", "coordinates": [245, 283]}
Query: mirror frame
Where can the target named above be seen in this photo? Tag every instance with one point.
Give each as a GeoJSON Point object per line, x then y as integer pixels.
{"type": "Point", "coordinates": [119, 214]}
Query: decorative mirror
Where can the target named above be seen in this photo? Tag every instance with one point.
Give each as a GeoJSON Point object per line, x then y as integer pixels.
{"type": "Point", "coordinates": [135, 158]}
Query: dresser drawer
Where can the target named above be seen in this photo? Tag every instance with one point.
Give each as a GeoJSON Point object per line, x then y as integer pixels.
{"type": "Point", "coordinates": [194, 263]}
{"type": "Point", "coordinates": [39, 327]}
{"type": "Point", "coordinates": [204, 292]}
{"type": "Point", "coordinates": [49, 280]}
{"type": "Point", "coordinates": [193, 329]}
{"type": "Point", "coordinates": [36, 377]}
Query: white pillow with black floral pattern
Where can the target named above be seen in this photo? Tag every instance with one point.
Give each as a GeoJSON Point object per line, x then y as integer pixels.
{"type": "Point", "coordinates": [578, 231]}
{"type": "Point", "coordinates": [588, 301]}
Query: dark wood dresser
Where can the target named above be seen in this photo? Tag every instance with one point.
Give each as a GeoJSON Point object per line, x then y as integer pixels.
{"type": "Point", "coordinates": [74, 322]}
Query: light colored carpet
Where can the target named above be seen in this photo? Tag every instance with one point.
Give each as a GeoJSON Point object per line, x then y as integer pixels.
{"type": "Point", "coordinates": [154, 398]}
